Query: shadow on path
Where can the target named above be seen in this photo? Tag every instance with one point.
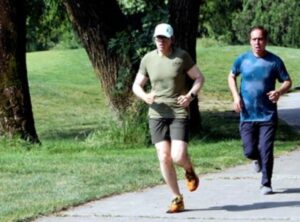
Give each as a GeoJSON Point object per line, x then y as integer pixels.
{"type": "Point", "coordinates": [249, 207]}
{"type": "Point", "coordinates": [289, 190]}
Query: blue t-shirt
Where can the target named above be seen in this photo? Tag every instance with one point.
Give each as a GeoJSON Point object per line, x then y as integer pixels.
{"type": "Point", "coordinates": [258, 77]}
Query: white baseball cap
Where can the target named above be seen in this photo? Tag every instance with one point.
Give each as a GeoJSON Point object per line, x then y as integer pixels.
{"type": "Point", "coordinates": [163, 29]}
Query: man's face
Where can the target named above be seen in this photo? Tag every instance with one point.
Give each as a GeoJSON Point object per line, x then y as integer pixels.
{"type": "Point", "coordinates": [163, 43]}
{"type": "Point", "coordinates": [258, 42]}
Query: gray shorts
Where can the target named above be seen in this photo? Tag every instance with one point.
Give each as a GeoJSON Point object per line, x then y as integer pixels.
{"type": "Point", "coordinates": [169, 129]}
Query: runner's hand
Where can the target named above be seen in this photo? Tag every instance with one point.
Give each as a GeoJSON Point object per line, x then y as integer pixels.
{"type": "Point", "coordinates": [184, 100]}
{"type": "Point", "coordinates": [273, 96]}
{"type": "Point", "coordinates": [149, 98]}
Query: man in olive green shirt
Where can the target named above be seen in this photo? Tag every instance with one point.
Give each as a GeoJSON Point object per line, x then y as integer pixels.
{"type": "Point", "coordinates": [167, 67]}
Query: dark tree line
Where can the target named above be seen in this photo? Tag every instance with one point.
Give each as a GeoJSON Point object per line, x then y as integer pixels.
{"type": "Point", "coordinates": [229, 21]}
{"type": "Point", "coordinates": [226, 21]}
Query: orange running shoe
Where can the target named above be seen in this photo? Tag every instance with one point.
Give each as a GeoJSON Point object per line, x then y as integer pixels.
{"type": "Point", "coordinates": [177, 205]}
{"type": "Point", "coordinates": [192, 180]}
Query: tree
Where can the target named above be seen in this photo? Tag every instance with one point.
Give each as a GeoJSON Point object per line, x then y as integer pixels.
{"type": "Point", "coordinates": [280, 17]}
{"type": "Point", "coordinates": [16, 117]}
{"type": "Point", "coordinates": [184, 18]}
{"type": "Point", "coordinates": [96, 23]}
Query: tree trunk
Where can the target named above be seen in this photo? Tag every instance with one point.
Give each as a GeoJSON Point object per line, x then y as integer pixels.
{"type": "Point", "coordinates": [96, 23]}
{"type": "Point", "coordinates": [16, 117]}
{"type": "Point", "coordinates": [184, 16]}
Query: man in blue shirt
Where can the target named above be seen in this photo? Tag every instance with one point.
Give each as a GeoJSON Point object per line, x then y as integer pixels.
{"type": "Point", "coordinates": [256, 101]}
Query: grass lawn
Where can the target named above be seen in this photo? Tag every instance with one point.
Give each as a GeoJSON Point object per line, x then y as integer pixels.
{"type": "Point", "coordinates": [78, 162]}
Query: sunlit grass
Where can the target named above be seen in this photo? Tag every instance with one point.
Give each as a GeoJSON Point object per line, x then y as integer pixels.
{"type": "Point", "coordinates": [66, 95]}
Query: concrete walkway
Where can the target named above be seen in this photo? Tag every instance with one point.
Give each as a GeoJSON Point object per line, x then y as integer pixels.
{"type": "Point", "coordinates": [289, 109]}
{"type": "Point", "coordinates": [232, 195]}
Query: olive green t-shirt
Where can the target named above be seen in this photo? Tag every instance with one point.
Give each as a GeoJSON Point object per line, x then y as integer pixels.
{"type": "Point", "coordinates": [167, 76]}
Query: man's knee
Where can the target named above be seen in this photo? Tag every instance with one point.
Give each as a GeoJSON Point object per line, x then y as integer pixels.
{"type": "Point", "coordinates": [178, 158]}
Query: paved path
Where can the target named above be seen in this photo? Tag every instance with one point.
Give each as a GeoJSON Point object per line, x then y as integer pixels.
{"type": "Point", "coordinates": [232, 195]}
{"type": "Point", "coordinates": [289, 109]}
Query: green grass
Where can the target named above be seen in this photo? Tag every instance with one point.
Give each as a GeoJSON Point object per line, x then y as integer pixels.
{"type": "Point", "coordinates": [78, 161]}
{"type": "Point", "coordinates": [66, 95]}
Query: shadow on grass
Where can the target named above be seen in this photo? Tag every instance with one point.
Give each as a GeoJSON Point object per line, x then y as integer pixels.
{"type": "Point", "coordinates": [216, 126]}
{"type": "Point", "coordinates": [69, 134]}
{"type": "Point", "coordinates": [219, 126]}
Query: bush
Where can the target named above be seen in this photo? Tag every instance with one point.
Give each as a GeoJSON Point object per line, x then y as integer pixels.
{"type": "Point", "coordinates": [129, 130]}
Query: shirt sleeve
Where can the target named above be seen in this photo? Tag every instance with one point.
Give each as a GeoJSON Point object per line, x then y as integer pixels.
{"type": "Point", "coordinates": [282, 72]}
{"type": "Point", "coordinates": [143, 67]}
{"type": "Point", "coordinates": [188, 61]}
{"type": "Point", "coordinates": [236, 66]}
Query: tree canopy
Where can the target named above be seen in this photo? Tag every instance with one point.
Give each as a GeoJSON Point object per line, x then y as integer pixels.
{"type": "Point", "coordinates": [280, 17]}
{"type": "Point", "coordinates": [224, 20]}
{"type": "Point", "coordinates": [229, 21]}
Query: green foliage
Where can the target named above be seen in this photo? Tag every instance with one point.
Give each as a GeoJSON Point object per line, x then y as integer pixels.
{"type": "Point", "coordinates": [132, 6]}
{"type": "Point", "coordinates": [130, 130]}
{"type": "Point", "coordinates": [138, 36]}
{"type": "Point", "coordinates": [280, 17]}
{"type": "Point", "coordinates": [230, 21]}
{"type": "Point", "coordinates": [223, 20]}
{"type": "Point", "coordinates": [216, 19]}
{"type": "Point", "coordinates": [48, 27]}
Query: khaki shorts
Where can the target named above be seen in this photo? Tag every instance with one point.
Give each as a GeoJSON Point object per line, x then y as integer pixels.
{"type": "Point", "coordinates": [169, 129]}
